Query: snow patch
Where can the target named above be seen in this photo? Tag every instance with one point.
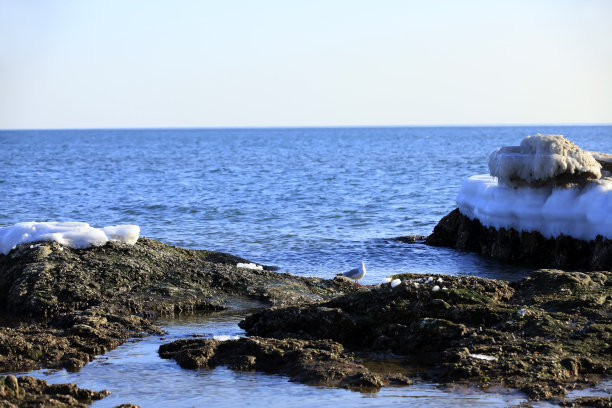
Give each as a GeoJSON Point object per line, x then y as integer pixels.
{"type": "Point", "coordinates": [252, 266]}
{"type": "Point", "coordinates": [71, 234]}
{"type": "Point", "coordinates": [581, 212]}
{"type": "Point", "coordinates": [483, 357]}
{"type": "Point", "coordinates": [225, 337]}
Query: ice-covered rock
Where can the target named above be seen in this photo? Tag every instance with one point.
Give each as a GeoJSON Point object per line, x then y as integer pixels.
{"type": "Point", "coordinates": [546, 202]}
{"type": "Point", "coordinates": [543, 160]}
{"type": "Point", "coordinates": [71, 234]}
{"type": "Point", "coordinates": [605, 160]}
{"type": "Point", "coordinates": [580, 212]}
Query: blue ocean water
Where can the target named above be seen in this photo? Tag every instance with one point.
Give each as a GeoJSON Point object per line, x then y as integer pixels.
{"type": "Point", "coordinates": [312, 201]}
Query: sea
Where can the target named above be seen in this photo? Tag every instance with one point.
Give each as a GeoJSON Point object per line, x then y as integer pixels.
{"type": "Point", "coordinates": [309, 201]}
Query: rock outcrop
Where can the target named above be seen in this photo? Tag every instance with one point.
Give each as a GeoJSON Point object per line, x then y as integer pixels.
{"type": "Point", "coordinates": [30, 392]}
{"type": "Point", "coordinates": [61, 306]}
{"type": "Point", "coordinates": [315, 362]}
{"type": "Point", "coordinates": [546, 203]}
{"type": "Point", "coordinates": [544, 334]}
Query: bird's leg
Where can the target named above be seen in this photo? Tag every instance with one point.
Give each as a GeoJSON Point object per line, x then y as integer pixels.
{"type": "Point", "coordinates": [357, 283]}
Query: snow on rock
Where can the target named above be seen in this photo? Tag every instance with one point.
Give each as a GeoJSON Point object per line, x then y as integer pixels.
{"type": "Point", "coordinates": [541, 159]}
{"type": "Point", "coordinates": [125, 233]}
{"type": "Point", "coordinates": [483, 357]}
{"type": "Point", "coordinates": [71, 234]}
{"type": "Point", "coordinates": [252, 266]}
{"type": "Point", "coordinates": [580, 212]}
{"type": "Point", "coordinates": [547, 184]}
{"type": "Point", "coordinates": [225, 337]}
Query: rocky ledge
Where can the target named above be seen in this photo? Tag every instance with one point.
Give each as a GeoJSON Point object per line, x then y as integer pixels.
{"type": "Point", "coordinates": [315, 362]}
{"type": "Point", "coordinates": [531, 248]}
{"type": "Point", "coordinates": [30, 392]}
{"type": "Point", "coordinates": [61, 307]}
{"type": "Point", "coordinates": [543, 335]}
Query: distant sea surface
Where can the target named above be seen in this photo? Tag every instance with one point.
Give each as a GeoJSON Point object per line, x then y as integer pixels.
{"type": "Point", "coordinates": [312, 201]}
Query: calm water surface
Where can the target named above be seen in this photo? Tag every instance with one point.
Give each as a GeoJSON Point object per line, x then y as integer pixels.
{"type": "Point", "coordinates": [310, 201]}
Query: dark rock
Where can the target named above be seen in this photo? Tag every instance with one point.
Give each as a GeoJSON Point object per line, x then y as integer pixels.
{"type": "Point", "coordinates": [411, 239]}
{"type": "Point", "coordinates": [30, 392]}
{"type": "Point", "coordinates": [542, 334]}
{"type": "Point", "coordinates": [530, 248]}
{"type": "Point", "coordinates": [591, 402]}
{"type": "Point", "coordinates": [69, 305]}
{"type": "Point", "coordinates": [148, 277]}
{"type": "Point", "coordinates": [316, 362]}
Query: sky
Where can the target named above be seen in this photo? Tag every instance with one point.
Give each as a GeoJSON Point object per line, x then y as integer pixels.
{"type": "Point", "coordinates": [273, 63]}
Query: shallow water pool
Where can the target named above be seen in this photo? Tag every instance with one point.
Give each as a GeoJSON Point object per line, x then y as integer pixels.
{"type": "Point", "coordinates": [135, 373]}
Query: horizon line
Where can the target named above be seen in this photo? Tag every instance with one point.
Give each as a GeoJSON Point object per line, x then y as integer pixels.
{"type": "Point", "coordinates": [303, 127]}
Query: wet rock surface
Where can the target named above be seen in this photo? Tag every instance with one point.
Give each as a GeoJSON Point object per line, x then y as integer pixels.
{"type": "Point", "coordinates": [149, 278]}
{"type": "Point", "coordinates": [411, 239]}
{"type": "Point", "coordinates": [530, 248]}
{"type": "Point", "coordinates": [591, 402]}
{"type": "Point", "coordinates": [315, 362]}
{"type": "Point", "coordinates": [61, 307]}
{"type": "Point", "coordinates": [29, 392]}
{"type": "Point", "coordinates": [545, 334]}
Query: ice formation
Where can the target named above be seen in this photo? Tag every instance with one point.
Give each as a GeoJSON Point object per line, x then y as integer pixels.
{"type": "Point", "coordinates": [72, 234]}
{"type": "Point", "coordinates": [540, 159]}
{"type": "Point", "coordinates": [581, 211]}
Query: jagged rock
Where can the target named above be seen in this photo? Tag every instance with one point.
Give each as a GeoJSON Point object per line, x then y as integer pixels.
{"type": "Point", "coordinates": [29, 392]}
{"type": "Point", "coordinates": [68, 305]}
{"type": "Point", "coordinates": [547, 332]}
{"type": "Point", "coordinates": [317, 362]}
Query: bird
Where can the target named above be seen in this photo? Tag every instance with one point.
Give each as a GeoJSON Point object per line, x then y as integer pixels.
{"type": "Point", "coordinates": [356, 273]}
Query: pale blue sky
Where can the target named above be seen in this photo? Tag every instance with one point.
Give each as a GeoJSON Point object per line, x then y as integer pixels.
{"type": "Point", "coordinates": [108, 63]}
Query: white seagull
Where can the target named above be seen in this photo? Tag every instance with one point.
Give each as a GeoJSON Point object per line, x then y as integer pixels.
{"type": "Point", "coordinates": [356, 273]}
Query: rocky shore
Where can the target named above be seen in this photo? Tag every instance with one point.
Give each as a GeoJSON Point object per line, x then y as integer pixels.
{"type": "Point", "coordinates": [61, 307]}
{"type": "Point", "coordinates": [544, 335]}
